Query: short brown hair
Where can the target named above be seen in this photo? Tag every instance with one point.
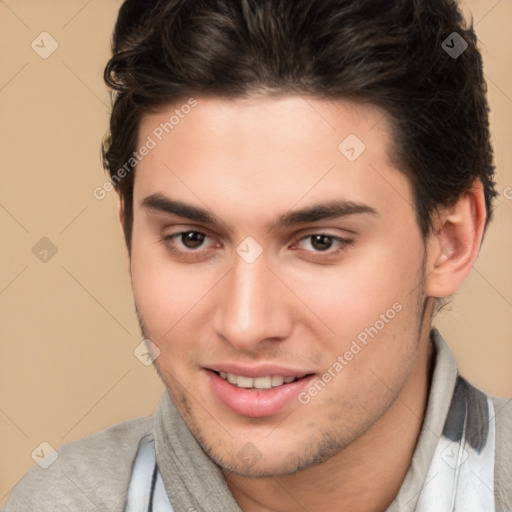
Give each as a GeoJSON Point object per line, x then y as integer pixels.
{"type": "Point", "coordinates": [389, 53]}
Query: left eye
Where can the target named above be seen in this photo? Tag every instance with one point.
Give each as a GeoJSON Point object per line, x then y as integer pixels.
{"type": "Point", "coordinates": [191, 239]}
{"type": "Point", "coordinates": [323, 243]}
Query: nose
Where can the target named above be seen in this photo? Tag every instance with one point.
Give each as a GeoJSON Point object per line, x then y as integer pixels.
{"type": "Point", "coordinates": [253, 306]}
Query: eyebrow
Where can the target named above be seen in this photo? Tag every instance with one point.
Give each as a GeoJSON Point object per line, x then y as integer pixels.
{"type": "Point", "coordinates": [323, 211]}
{"type": "Point", "coordinates": [330, 210]}
{"type": "Point", "coordinates": [160, 203]}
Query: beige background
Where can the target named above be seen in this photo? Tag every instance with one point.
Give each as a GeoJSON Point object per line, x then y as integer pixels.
{"type": "Point", "coordinates": [67, 326]}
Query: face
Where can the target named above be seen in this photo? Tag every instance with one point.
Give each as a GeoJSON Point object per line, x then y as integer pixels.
{"type": "Point", "coordinates": [276, 266]}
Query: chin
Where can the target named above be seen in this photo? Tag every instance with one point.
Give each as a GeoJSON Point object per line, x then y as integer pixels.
{"type": "Point", "coordinates": [288, 461]}
{"type": "Point", "coordinates": [260, 469]}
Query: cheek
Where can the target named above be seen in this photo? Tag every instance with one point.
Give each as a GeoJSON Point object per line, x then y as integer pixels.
{"type": "Point", "coordinates": [164, 291]}
{"type": "Point", "coordinates": [352, 295]}
{"type": "Point", "coordinates": [374, 317]}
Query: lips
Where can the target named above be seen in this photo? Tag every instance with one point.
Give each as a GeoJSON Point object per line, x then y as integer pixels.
{"type": "Point", "coordinates": [256, 392]}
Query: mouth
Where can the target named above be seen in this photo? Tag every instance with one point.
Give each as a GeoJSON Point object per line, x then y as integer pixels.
{"type": "Point", "coordinates": [266, 393]}
{"type": "Point", "coordinates": [258, 383]}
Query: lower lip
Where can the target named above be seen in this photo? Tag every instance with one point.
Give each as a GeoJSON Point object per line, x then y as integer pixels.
{"type": "Point", "coordinates": [256, 403]}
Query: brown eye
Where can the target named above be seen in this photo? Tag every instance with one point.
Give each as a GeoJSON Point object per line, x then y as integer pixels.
{"type": "Point", "coordinates": [321, 242]}
{"type": "Point", "coordinates": [192, 239]}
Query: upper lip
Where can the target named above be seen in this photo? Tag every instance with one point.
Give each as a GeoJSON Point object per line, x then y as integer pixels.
{"type": "Point", "coordinates": [262, 370]}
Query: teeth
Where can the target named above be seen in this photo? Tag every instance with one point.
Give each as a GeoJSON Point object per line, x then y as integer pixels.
{"type": "Point", "coordinates": [244, 382]}
{"type": "Point", "coordinates": [277, 380]}
{"type": "Point", "coordinates": [263, 382]}
{"type": "Point", "coordinates": [258, 382]}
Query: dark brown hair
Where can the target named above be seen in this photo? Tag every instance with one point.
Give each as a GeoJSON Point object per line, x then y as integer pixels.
{"type": "Point", "coordinates": [389, 53]}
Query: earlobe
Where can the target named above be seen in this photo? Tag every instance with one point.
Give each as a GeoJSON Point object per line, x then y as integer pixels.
{"type": "Point", "coordinates": [453, 248]}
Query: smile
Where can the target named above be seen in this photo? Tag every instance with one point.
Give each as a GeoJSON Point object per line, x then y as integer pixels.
{"type": "Point", "coordinates": [267, 382]}
{"type": "Point", "coordinates": [264, 394]}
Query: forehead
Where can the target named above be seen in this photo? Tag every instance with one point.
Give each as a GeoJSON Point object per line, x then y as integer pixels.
{"type": "Point", "coordinates": [261, 152]}
{"type": "Point", "coordinates": [245, 125]}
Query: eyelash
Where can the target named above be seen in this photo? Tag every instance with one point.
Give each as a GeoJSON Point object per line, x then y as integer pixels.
{"type": "Point", "coordinates": [343, 243]}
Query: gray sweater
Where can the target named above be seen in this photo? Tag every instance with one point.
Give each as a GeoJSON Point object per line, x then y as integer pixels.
{"type": "Point", "coordinates": [93, 474]}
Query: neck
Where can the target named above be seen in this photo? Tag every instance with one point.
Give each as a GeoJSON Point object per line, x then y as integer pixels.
{"type": "Point", "coordinates": [366, 475]}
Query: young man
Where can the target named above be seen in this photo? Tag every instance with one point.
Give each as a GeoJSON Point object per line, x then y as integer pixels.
{"type": "Point", "coordinates": [300, 184]}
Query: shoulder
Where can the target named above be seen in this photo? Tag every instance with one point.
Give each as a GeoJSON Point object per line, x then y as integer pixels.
{"type": "Point", "coordinates": [503, 415]}
{"type": "Point", "coordinates": [479, 418]}
{"type": "Point", "coordinates": [503, 471]}
{"type": "Point", "coordinates": [92, 473]}
{"type": "Point", "coordinates": [503, 411]}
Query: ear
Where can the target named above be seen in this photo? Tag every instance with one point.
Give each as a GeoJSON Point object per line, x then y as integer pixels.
{"type": "Point", "coordinates": [453, 248]}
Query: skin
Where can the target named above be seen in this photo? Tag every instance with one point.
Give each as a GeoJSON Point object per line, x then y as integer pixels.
{"type": "Point", "coordinates": [248, 162]}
